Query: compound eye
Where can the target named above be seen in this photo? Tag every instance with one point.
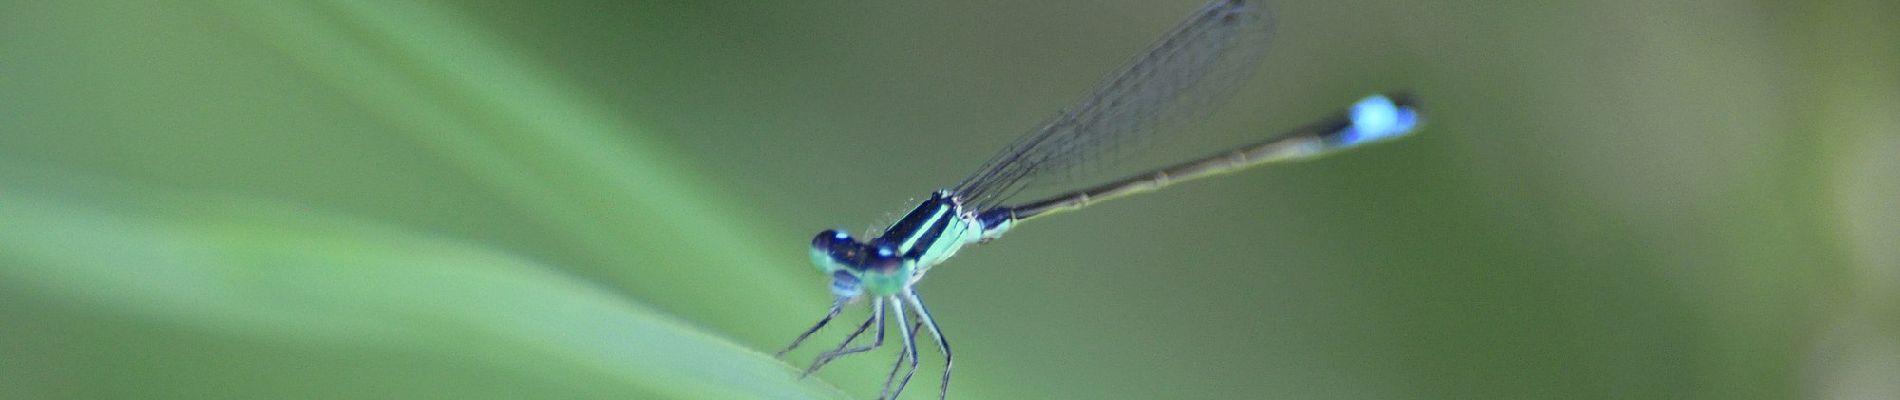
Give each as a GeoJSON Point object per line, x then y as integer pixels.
{"type": "Point", "coordinates": [830, 238]}
{"type": "Point", "coordinates": [837, 245]}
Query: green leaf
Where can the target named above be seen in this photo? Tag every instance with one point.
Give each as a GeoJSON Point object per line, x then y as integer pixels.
{"type": "Point", "coordinates": [200, 297]}
{"type": "Point", "coordinates": [624, 201]}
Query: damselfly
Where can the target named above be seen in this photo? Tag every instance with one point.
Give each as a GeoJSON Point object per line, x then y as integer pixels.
{"type": "Point", "coordinates": [1192, 66]}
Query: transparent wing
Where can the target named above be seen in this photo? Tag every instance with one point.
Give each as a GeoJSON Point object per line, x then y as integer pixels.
{"type": "Point", "coordinates": [1197, 64]}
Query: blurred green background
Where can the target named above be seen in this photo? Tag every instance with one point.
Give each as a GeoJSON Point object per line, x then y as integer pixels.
{"type": "Point", "coordinates": [483, 199]}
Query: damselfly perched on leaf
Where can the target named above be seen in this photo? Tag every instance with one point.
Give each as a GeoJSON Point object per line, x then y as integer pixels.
{"type": "Point", "coordinates": [1194, 65]}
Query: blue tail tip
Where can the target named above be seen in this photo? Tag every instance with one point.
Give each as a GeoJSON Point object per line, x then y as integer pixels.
{"type": "Point", "coordinates": [1378, 118]}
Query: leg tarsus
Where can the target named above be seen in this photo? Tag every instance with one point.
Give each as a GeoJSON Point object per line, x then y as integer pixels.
{"type": "Point", "coordinates": [876, 318]}
{"type": "Point", "coordinates": [835, 309]}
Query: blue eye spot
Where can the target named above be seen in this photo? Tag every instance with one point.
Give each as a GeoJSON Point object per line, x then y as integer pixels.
{"type": "Point", "coordinates": [1377, 118]}
{"type": "Point", "coordinates": [1375, 113]}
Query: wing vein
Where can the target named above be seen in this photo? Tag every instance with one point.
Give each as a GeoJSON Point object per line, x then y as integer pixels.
{"type": "Point", "coordinates": [1196, 64]}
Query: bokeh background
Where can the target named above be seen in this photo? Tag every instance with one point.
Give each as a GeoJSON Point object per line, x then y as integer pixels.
{"type": "Point", "coordinates": [607, 199]}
